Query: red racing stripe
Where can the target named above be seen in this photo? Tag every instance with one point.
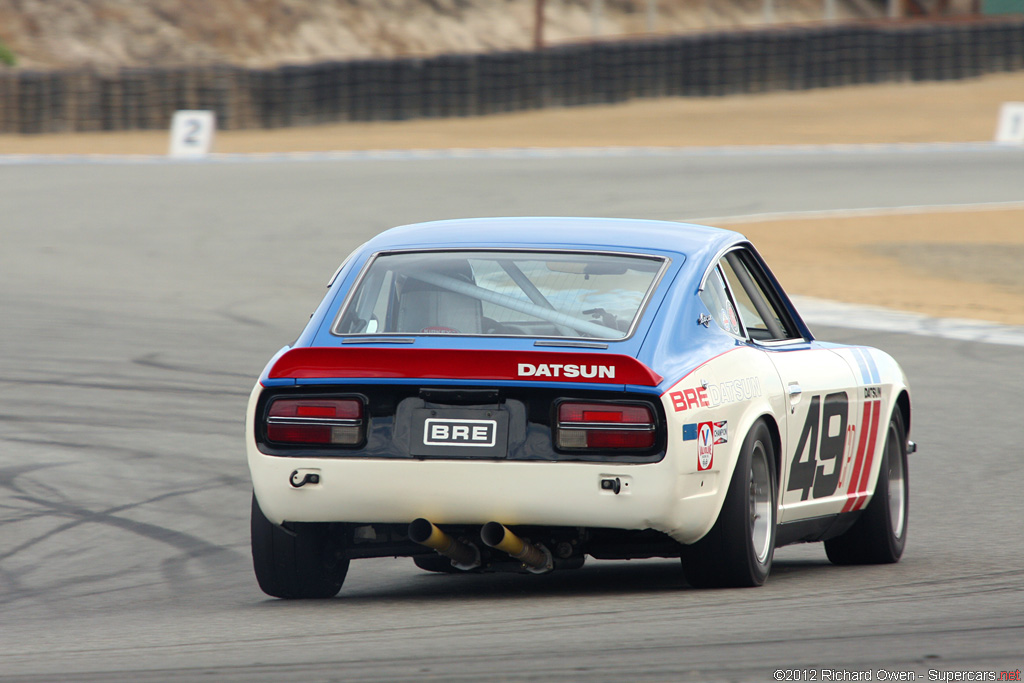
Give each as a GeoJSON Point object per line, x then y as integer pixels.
{"type": "Point", "coordinates": [872, 441]}
{"type": "Point", "coordinates": [858, 462]}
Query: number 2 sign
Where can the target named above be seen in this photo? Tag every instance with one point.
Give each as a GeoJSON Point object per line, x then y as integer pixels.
{"type": "Point", "coordinates": [1011, 123]}
{"type": "Point", "coordinates": [192, 133]}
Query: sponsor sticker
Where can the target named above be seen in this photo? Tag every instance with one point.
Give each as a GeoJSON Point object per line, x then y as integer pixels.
{"type": "Point", "coordinates": [705, 446]}
{"type": "Point", "coordinates": [720, 431]}
{"type": "Point", "coordinates": [735, 326]}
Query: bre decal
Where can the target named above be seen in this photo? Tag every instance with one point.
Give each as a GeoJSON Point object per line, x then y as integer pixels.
{"type": "Point", "coordinates": [569, 371]}
{"type": "Point", "coordinates": [689, 398]}
{"type": "Point", "coordinates": [705, 446]}
{"type": "Point", "coordinates": [715, 395]}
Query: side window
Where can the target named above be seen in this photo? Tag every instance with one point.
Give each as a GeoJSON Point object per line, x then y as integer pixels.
{"type": "Point", "coordinates": [716, 298]}
{"type": "Point", "coordinates": [380, 307]}
{"type": "Point", "coordinates": [757, 303]}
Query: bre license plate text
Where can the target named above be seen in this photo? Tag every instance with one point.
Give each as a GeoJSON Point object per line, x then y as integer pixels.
{"type": "Point", "coordinates": [459, 433]}
{"type": "Point", "coordinates": [471, 433]}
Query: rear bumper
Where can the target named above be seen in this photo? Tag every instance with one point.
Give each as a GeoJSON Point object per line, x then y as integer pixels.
{"type": "Point", "coordinates": [565, 494]}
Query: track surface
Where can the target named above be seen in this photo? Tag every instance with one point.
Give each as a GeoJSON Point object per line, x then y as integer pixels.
{"type": "Point", "coordinates": [138, 304]}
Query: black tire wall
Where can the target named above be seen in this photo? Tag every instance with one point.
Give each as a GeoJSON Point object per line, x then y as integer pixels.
{"type": "Point", "coordinates": [478, 84]}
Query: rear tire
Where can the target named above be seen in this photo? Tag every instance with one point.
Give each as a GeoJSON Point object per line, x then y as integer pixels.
{"type": "Point", "coordinates": [304, 561]}
{"type": "Point", "coordinates": [738, 550]}
{"type": "Point", "coordinates": [880, 535]}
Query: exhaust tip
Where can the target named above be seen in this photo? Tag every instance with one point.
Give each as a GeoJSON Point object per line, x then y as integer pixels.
{"type": "Point", "coordinates": [420, 530]}
{"type": "Point", "coordinates": [492, 534]}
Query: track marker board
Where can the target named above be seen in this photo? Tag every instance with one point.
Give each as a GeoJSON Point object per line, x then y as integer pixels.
{"type": "Point", "coordinates": [192, 133]}
{"type": "Point", "coordinates": [1011, 124]}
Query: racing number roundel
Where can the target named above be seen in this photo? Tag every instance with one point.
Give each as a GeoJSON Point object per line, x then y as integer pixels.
{"type": "Point", "coordinates": [705, 446]}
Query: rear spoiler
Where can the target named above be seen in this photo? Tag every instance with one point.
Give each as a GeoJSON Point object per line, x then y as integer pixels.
{"type": "Point", "coordinates": [543, 366]}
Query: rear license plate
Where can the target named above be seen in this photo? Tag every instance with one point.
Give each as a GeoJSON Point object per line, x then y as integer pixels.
{"type": "Point", "coordinates": [460, 433]}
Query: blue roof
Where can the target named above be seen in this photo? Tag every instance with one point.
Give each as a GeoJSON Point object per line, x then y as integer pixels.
{"type": "Point", "coordinates": [656, 341]}
{"type": "Point", "coordinates": [590, 233]}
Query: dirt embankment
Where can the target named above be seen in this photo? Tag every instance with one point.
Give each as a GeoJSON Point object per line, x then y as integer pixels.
{"type": "Point", "coordinates": [111, 33]}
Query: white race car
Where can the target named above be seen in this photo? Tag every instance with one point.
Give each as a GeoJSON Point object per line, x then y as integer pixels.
{"type": "Point", "coordinates": [519, 393]}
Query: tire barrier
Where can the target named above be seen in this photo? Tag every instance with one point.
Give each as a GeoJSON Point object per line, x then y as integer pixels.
{"type": "Point", "coordinates": [795, 58]}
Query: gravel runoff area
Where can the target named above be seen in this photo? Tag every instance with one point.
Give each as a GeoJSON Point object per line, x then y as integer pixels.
{"type": "Point", "coordinates": [950, 263]}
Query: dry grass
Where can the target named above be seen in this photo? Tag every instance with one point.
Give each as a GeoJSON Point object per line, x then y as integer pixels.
{"type": "Point", "coordinates": [950, 264]}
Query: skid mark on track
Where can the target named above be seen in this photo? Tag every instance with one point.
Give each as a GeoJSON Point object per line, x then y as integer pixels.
{"type": "Point", "coordinates": [148, 388]}
{"type": "Point", "coordinates": [51, 503]}
{"type": "Point", "coordinates": [152, 360]}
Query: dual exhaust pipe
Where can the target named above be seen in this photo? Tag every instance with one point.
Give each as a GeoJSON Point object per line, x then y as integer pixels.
{"type": "Point", "coordinates": [536, 558]}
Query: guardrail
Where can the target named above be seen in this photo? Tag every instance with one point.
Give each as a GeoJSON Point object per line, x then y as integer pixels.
{"type": "Point", "coordinates": [486, 83]}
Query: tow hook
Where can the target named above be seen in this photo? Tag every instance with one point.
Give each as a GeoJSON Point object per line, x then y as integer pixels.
{"type": "Point", "coordinates": [300, 478]}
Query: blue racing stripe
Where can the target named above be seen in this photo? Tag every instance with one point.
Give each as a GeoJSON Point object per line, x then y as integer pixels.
{"type": "Point", "coordinates": [868, 367]}
{"type": "Point", "coordinates": [865, 374]}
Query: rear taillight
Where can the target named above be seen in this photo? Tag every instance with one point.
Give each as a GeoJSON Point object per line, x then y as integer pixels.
{"type": "Point", "coordinates": [334, 421]}
{"type": "Point", "coordinates": [604, 426]}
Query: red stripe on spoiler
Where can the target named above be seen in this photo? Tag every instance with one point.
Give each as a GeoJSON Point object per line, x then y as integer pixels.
{"type": "Point", "coordinates": [543, 366]}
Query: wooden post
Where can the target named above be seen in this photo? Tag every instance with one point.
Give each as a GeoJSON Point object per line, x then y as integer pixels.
{"type": "Point", "coordinates": [538, 25]}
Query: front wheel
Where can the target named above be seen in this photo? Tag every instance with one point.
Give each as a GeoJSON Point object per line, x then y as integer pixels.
{"type": "Point", "coordinates": [738, 550]}
{"type": "Point", "coordinates": [880, 535]}
{"type": "Point", "coordinates": [305, 561]}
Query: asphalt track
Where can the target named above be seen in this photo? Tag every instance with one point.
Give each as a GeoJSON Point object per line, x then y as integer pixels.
{"type": "Point", "coordinates": [138, 302]}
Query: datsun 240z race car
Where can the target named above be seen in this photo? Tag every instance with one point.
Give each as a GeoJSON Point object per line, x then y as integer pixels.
{"type": "Point", "coordinates": [518, 393]}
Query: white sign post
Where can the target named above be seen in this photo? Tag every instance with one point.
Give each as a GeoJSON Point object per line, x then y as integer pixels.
{"type": "Point", "coordinates": [192, 134]}
{"type": "Point", "coordinates": [1011, 124]}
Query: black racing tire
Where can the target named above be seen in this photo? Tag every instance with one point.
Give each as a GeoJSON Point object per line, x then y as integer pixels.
{"type": "Point", "coordinates": [303, 561]}
{"type": "Point", "coordinates": [880, 535]}
{"type": "Point", "coordinates": [738, 550]}
{"type": "Point", "coordinates": [435, 563]}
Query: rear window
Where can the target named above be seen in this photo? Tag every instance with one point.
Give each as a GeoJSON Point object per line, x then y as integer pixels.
{"type": "Point", "coordinates": [500, 293]}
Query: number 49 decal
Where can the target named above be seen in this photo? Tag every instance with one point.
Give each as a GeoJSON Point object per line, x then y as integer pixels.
{"type": "Point", "coordinates": [807, 475]}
